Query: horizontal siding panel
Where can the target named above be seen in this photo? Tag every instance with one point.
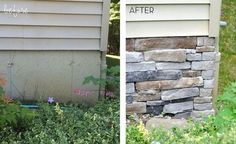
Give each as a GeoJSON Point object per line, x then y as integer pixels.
{"type": "Point", "coordinates": [167, 28]}
{"type": "Point", "coordinates": [63, 7]}
{"type": "Point", "coordinates": [49, 44]}
{"type": "Point", "coordinates": [51, 20]}
{"type": "Point", "coordinates": [49, 32]}
{"type": "Point", "coordinates": [169, 12]}
{"type": "Point", "coordinates": [168, 1]}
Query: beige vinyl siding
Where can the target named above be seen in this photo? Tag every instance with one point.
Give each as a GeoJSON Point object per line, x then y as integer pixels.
{"type": "Point", "coordinates": [36, 6]}
{"type": "Point", "coordinates": [51, 20]}
{"type": "Point", "coordinates": [171, 12]}
{"type": "Point", "coordinates": [49, 32]}
{"type": "Point", "coordinates": [54, 25]}
{"type": "Point", "coordinates": [167, 28]}
{"type": "Point", "coordinates": [49, 44]}
{"type": "Point", "coordinates": [173, 18]}
{"type": "Point", "coordinates": [168, 1]}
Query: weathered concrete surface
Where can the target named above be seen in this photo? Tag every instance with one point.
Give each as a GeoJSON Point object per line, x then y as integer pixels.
{"type": "Point", "coordinates": [166, 124]}
{"type": "Point", "coordinates": [40, 74]}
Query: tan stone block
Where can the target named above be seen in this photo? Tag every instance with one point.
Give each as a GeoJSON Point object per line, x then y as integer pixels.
{"type": "Point", "coordinates": [160, 43]}
{"type": "Point", "coordinates": [206, 49]}
{"type": "Point", "coordinates": [130, 44]}
{"type": "Point", "coordinates": [136, 107]}
{"type": "Point", "coordinates": [191, 73]}
{"type": "Point", "coordinates": [165, 55]}
{"type": "Point", "coordinates": [147, 95]}
{"type": "Point", "coordinates": [170, 84]}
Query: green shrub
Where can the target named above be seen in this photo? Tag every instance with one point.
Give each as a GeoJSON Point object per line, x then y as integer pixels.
{"type": "Point", "coordinates": [111, 83]}
{"type": "Point", "coordinates": [12, 115]}
{"type": "Point", "coordinates": [70, 124]}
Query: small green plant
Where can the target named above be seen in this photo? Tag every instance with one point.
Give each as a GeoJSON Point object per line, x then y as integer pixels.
{"type": "Point", "coordinates": [12, 115]}
{"type": "Point", "coordinates": [110, 84]}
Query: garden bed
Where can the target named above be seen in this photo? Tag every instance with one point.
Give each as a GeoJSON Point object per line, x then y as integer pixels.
{"type": "Point", "coordinates": [50, 123]}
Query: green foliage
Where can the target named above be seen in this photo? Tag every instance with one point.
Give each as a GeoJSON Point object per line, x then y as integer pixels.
{"type": "Point", "coordinates": [79, 124]}
{"type": "Point", "coordinates": [111, 83]}
{"type": "Point", "coordinates": [218, 129]}
{"type": "Point", "coordinates": [136, 134]}
{"type": "Point", "coordinates": [228, 45]}
{"type": "Point", "coordinates": [114, 28]}
{"type": "Point", "coordinates": [227, 106]}
{"type": "Point", "coordinates": [11, 114]}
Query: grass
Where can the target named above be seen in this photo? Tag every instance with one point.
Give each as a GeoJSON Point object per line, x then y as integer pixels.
{"type": "Point", "coordinates": [228, 45]}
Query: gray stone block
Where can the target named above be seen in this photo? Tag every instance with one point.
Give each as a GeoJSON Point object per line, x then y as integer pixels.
{"type": "Point", "coordinates": [205, 92]}
{"type": "Point", "coordinates": [194, 57]}
{"type": "Point", "coordinates": [155, 110]}
{"type": "Point", "coordinates": [205, 41]}
{"type": "Point", "coordinates": [156, 103]}
{"type": "Point", "coordinates": [143, 66]}
{"type": "Point", "coordinates": [175, 108]}
{"type": "Point", "coordinates": [201, 100]}
{"type": "Point", "coordinates": [209, 74]}
{"type": "Point", "coordinates": [209, 41]}
{"type": "Point", "coordinates": [184, 115]}
{"type": "Point", "coordinates": [172, 66]}
{"type": "Point", "coordinates": [179, 93]}
{"type": "Point", "coordinates": [209, 84]}
{"type": "Point", "coordinates": [208, 56]}
{"type": "Point", "coordinates": [132, 57]}
{"type": "Point", "coordinates": [130, 88]}
{"type": "Point", "coordinates": [153, 75]}
{"type": "Point", "coordinates": [203, 106]}
{"type": "Point", "coordinates": [190, 51]}
{"type": "Point", "coordinates": [129, 99]}
{"type": "Point", "coordinates": [203, 65]}
{"type": "Point", "coordinates": [201, 114]}
{"type": "Point", "coordinates": [200, 41]}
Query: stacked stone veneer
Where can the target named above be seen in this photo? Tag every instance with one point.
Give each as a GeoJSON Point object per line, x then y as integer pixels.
{"type": "Point", "coordinates": [172, 76]}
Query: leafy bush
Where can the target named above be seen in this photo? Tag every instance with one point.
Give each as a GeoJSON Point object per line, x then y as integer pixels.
{"type": "Point", "coordinates": [110, 84]}
{"type": "Point", "coordinates": [70, 124]}
{"type": "Point", "coordinates": [12, 115]}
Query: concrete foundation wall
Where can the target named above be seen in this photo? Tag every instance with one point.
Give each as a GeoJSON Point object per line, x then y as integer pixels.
{"type": "Point", "coordinates": [36, 75]}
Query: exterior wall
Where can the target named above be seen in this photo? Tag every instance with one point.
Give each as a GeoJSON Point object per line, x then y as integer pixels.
{"type": "Point", "coordinates": [52, 25]}
{"type": "Point", "coordinates": [33, 75]}
{"type": "Point", "coordinates": [166, 18]}
{"type": "Point", "coordinates": [173, 76]}
{"type": "Point", "coordinates": [49, 47]}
